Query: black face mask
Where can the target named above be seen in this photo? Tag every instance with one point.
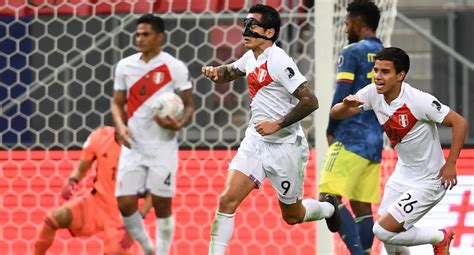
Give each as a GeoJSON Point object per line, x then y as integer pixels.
{"type": "Point", "coordinates": [248, 22]}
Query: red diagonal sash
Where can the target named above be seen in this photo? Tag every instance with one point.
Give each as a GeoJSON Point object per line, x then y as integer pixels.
{"type": "Point", "coordinates": [399, 124]}
{"type": "Point", "coordinates": [258, 79]}
{"type": "Point", "coordinates": [146, 86]}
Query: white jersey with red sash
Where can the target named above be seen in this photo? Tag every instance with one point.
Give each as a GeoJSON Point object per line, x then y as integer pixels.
{"type": "Point", "coordinates": [410, 123]}
{"type": "Point", "coordinates": [143, 82]}
{"type": "Point", "coordinates": [271, 80]}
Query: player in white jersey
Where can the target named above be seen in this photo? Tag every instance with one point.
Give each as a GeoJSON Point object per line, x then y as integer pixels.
{"type": "Point", "coordinates": [149, 156]}
{"type": "Point", "coordinates": [422, 175]}
{"type": "Point", "coordinates": [274, 146]}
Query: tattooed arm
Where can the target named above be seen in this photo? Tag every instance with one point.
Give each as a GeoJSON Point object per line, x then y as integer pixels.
{"type": "Point", "coordinates": [308, 103]}
{"type": "Point", "coordinates": [222, 74]}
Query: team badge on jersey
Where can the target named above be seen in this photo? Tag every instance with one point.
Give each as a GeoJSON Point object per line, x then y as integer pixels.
{"type": "Point", "coordinates": [403, 120]}
{"type": "Point", "coordinates": [289, 72]}
{"type": "Point", "coordinates": [262, 73]}
{"type": "Point", "coordinates": [158, 77]}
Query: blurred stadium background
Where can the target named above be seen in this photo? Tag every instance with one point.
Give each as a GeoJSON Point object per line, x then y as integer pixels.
{"type": "Point", "coordinates": [56, 65]}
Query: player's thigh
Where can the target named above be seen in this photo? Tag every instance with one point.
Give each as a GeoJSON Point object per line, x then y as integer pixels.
{"type": "Point", "coordinates": [248, 161]}
{"type": "Point", "coordinates": [349, 175]}
{"type": "Point", "coordinates": [162, 168]}
{"type": "Point", "coordinates": [86, 215]}
{"type": "Point", "coordinates": [330, 175]}
{"type": "Point", "coordinates": [63, 216]}
{"type": "Point", "coordinates": [413, 204]}
{"type": "Point", "coordinates": [285, 167]}
{"type": "Point", "coordinates": [131, 175]}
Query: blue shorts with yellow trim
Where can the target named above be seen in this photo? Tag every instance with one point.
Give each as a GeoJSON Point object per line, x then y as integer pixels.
{"type": "Point", "coordinates": [349, 175]}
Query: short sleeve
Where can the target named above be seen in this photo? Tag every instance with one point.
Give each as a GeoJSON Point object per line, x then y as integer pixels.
{"type": "Point", "coordinates": [181, 77]}
{"type": "Point", "coordinates": [347, 65]}
{"type": "Point", "coordinates": [90, 147]}
{"type": "Point", "coordinates": [119, 79]}
{"type": "Point", "coordinates": [364, 96]}
{"type": "Point", "coordinates": [431, 108]}
{"type": "Point", "coordinates": [242, 62]}
{"type": "Point", "coordinates": [284, 70]}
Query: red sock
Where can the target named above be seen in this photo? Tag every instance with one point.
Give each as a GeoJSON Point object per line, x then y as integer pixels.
{"type": "Point", "coordinates": [46, 235]}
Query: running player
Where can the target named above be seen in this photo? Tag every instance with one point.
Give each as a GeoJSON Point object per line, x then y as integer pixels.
{"type": "Point", "coordinates": [274, 146]}
{"type": "Point", "coordinates": [422, 175]}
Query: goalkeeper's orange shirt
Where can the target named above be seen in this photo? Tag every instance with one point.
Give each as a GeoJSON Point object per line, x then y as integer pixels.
{"type": "Point", "coordinates": [102, 147]}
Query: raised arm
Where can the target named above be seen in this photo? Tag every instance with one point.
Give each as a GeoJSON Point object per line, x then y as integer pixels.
{"type": "Point", "coordinates": [348, 107]}
{"type": "Point", "coordinates": [222, 74]}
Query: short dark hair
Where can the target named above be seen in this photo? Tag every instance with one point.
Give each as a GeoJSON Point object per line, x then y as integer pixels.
{"type": "Point", "coordinates": [270, 18]}
{"type": "Point", "coordinates": [156, 22]}
{"type": "Point", "coordinates": [367, 10]}
{"type": "Point", "coordinates": [400, 59]}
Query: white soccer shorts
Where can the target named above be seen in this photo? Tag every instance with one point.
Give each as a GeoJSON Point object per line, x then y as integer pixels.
{"type": "Point", "coordinates": [283, 163]}
{"type": "Point", "coordinates": [410, 205]}
{"type": "Point", "coordinates": [153, 171]}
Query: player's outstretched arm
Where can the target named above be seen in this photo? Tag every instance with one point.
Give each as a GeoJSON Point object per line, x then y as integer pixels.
{"type": "Point", "coordinates": [459, 131]}
{"type": "Point", "coordinates": [221, 74]}
{"type": "Point", "coordinates": [348, 107]}
{"type": "Point", "coordinates": [76, 176]}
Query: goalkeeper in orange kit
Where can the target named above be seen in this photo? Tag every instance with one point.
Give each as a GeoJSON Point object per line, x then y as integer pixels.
{"type": "Point", "coordinates": [97, 210]}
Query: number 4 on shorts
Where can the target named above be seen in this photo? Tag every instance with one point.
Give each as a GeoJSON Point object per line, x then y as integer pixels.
{"type": "Point", "coordinates": [168, 180]}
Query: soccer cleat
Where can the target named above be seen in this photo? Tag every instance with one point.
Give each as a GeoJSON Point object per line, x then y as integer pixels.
{"type": "Point", "coordinates": [334, 222]}
{"type": "Point", "coordinates": [443, 247]}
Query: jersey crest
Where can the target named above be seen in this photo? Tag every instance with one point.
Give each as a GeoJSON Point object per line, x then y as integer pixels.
{"type": "Point", "coordinates": [146, 86]}
{"type": "Point", "coordinates": [399, 124]}
{"type": "Point", "coordinates": [258, 79]}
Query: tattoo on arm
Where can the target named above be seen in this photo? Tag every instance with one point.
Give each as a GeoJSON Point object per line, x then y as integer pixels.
{"type": "Point", "coordinates": [307, 104]}
{"type": "Point", "coordinates": [228, 73]}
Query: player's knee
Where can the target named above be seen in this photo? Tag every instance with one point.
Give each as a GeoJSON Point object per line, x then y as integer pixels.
{"type": "Point", "coordinates": [162, 206]}
{"type": "Point", "coordinates": [292, 219]}
{"type": "Point", "coordinates": [128, 205]}
{"type": "Point", "coordinates": [60, 218]}
{"type": "Point", "coordinates": [382, 234]}
{"type": "Point", "coordinates": [227, 203]}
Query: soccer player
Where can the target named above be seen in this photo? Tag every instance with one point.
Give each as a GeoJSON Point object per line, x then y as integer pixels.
{"type": "Point", "coordinates": [96, 210]}
{"type": "Point", "coordinates": [422, 175]}
{"type": "Point", "coordinates": [149, 157]}
{"type": "Point", "coordinates": [352, 165]}
{"type": "Point", "coordinates": [274, 146]}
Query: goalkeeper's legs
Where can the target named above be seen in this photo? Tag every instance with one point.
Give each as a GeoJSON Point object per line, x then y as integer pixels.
{"type": "Point", "coordinates": [60, 218]}
{"type": "Point", "coordinates": [237, 187]}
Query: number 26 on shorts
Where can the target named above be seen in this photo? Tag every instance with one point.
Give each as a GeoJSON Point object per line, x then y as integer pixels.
{"type": "Point", "coordinates": [406, 203]}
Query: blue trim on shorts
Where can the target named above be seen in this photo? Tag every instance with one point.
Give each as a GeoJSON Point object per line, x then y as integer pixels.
{"type": "Point", "coordinates": [257, 182]}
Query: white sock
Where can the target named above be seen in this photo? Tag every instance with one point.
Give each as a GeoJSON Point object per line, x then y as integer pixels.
{"type": "Point", "coordinates": [396, 250]}
{"type": "Point", "coordinates": [221, 232]}
{"type": "Point", "coordinates": [164, 234]}
{"type": "Point", "coordinates": [316, 210]}
{"type": "Point", "coordinates": [410, 237]}
{"type": "Point", "coordinates": [135, 227]}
